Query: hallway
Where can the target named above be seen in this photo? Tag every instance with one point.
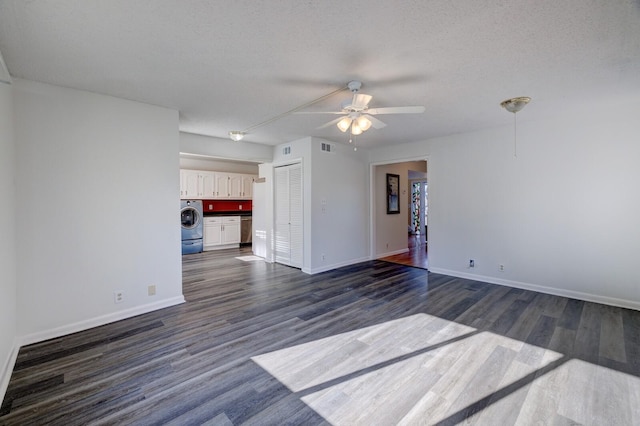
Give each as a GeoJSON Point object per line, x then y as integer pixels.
{"type": "Point", "coordinates": [417, 255]}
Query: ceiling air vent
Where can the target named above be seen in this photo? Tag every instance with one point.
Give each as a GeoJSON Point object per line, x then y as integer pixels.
{"type": "Point", "coordinates": [326, 147]}
{"type": "Point", "coordinates": [286, 150]}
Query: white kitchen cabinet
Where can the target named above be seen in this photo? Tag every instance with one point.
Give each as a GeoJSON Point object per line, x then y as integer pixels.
{"type": "Point", "coordinates": [207, 184]}
{"type": "Point", "coordinates": [235, 186]}
{"type": "Point", "coordinates": [247, 186]}
{"type": "Point", "coordinates": [222, 185]}
{"type": "Point", "coordinates": [198, 184]}
{"type": "Point", "coordinates": [221, 232]}
{"type": "Point", "coordinates": [212, 232]}
{"type": "Point", "coordinates": [195, 184]}
{"type": "Point", "coordinates": [240, 186]}
{"type": "Point", "coordinates": [189, 184]}
{"type": "Point", "coordinates": [231, 230]}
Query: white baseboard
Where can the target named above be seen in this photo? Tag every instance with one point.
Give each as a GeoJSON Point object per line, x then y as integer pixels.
{"type": "Point", "coordinates": [97, 321]}
{"type": "Point", "coordinates": [324, 268]}
{"type": "Point", "coordinates": [588, 297]}
{"type": "Point", "coordinates": [7, 369]}
{"type": "Point", "coordinates": [220, 247]}
{"type": "Point", "coordinates": [392, 253]}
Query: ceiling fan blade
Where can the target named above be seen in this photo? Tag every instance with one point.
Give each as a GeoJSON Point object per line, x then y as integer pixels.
{"type": "Point", "coordinates": [397, 110]}
{"type": "Point", "coordinates": [320, 112]}
{"type": "Point", "coordinates": [375, 123]}
{"type": "Point", "coordinates": [360, 101]}
{"type": "Point", "coordinates": [329, 124]}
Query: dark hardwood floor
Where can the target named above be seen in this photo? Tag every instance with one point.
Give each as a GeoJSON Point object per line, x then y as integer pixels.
{"type": "Point", "coordinates": [372, 343]}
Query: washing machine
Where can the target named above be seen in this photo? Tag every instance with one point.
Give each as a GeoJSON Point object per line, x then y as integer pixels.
{"type": "Point", "coordinates": [192, 226]}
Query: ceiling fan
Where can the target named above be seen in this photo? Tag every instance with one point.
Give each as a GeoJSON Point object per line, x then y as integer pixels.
{"type": "Point", "coordinates": [357, 115]}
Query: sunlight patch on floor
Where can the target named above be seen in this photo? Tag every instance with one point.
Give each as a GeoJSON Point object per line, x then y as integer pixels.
{"type": "Point", "coordinates": [422, 369]}
{"type": "Point", "coordinates": [249, 258]}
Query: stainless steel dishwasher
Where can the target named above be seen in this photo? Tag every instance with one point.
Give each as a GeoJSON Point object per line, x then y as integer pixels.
{"type": "Point", "coordinates": [245, 230]}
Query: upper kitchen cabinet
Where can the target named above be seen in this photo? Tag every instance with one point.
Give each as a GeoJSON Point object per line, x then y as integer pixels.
{"type": "Point", "coordinates": [189, 184]}
{"type": "Point", "coordinates": [215, 185]}
{"type": "Point", "coordinates": [247, 186]}
{"type": "Point", "coordinates": [235, 186]}
{"type": "Point", "coordinates": [197, 184]}
{"type": "Point", "coordinates": [208, 184]}
{"type": "Point", "coordinates": [222, 185]}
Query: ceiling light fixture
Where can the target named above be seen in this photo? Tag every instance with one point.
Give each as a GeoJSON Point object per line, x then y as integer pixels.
{"type": "Point", "coordinates": [344, 124]}
{"type": "Point", "coordinates": [357, 125]}
{"type": "Point", "coordinates": [514, 105]}
{"type": "Point", "coordinates": [236, 135]}
{"type": "Point", "coordinates": [364, 123]}
{"type": "Point", "coordinates": [355, 129]}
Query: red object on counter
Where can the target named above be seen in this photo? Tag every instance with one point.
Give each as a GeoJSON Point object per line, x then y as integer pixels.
{"type": "Point", "coordinates": [209, 206]}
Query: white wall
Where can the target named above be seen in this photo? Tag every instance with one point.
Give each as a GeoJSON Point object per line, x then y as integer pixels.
{"type": "Point", "coordinates": [8, 291]}
{"type": "Point", "coordinates": [224, 148]}
{"type": "Point", "coordinates": [562, 216]}
{"type": "Point", "coordinates": [93, 218]}
{"type": "Point", "coordinates": [339, 206]}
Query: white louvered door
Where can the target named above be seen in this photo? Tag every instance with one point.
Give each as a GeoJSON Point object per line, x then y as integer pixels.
{"type": "Point", "coordinates": [288, 215]}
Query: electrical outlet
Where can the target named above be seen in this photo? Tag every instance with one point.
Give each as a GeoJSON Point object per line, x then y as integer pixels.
{"type": "Point", "coordinates": [323, 257]}
{"type": "Point", "coordinates": [501, 268]}
{"type": "Point", "coordinates": [472, 263]}
{"type": "Point", "coordinates": [118, 296]}
{"type": "Point", "coordinates": [151, 290]}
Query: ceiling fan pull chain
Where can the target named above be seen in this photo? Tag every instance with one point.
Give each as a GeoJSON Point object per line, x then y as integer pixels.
{"type": "Point", "coordinates": [515, 133]}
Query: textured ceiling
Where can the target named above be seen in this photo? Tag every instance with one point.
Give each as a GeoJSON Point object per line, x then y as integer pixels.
{"type": "Point", "coordinates": [229, 65]}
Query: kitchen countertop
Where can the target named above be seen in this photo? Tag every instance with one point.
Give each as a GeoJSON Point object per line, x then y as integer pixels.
{"type": "Point", "coordinates": [234, 213]}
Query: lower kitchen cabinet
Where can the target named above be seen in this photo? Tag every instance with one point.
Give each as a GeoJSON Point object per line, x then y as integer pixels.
{"type": "Point", "coordinates": [221, 232]}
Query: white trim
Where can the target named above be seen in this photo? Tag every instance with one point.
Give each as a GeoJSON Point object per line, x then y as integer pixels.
{"type": "Point", "coordinates": [334, 266]}
{"type": "Point", "coordinates": [7, 369]}
{"type": "Point", "coordinates": [287, 162]}
{"type": "Point", "coordinates": [588, 297]}
{"type": "Point", "coordinates": [221, 247]}
{"type": "Point", "coordinates": [97, 321]}
{"type": "Point", "coordinates": [392, 253]}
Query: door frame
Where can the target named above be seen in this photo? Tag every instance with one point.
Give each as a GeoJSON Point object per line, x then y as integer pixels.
{"type": "Point", "coordinates": [374, 194]}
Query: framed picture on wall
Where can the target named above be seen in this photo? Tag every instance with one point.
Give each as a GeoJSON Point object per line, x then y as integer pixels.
{"type": "Point", "coordinates": [393, 194]}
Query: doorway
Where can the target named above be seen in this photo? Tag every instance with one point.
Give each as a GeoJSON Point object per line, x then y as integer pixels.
{"type": "Point", "coordinates": [401, 238]}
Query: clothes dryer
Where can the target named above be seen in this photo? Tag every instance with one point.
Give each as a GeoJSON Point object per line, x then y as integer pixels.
{"type": "Point", "coordinates": [192, 226]}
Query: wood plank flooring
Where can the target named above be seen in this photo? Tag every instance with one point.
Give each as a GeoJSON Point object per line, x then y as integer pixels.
{"type": "Point", "coordinates": [370, 344]}
{"type": "Point", "coordinates": [416, 256]}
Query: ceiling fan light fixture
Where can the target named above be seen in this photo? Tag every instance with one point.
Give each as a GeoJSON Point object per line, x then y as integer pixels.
{"type": "Point", "coordinates": [515, 104]}
{"type": "Point", "coordinates": [236, 135]}
{"type": "Point", "coordinates": [344, 124]}
{"type": "Point", "coordinates": [356, 129]}
{"type": "Point", "coordinates": [364, 123]}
